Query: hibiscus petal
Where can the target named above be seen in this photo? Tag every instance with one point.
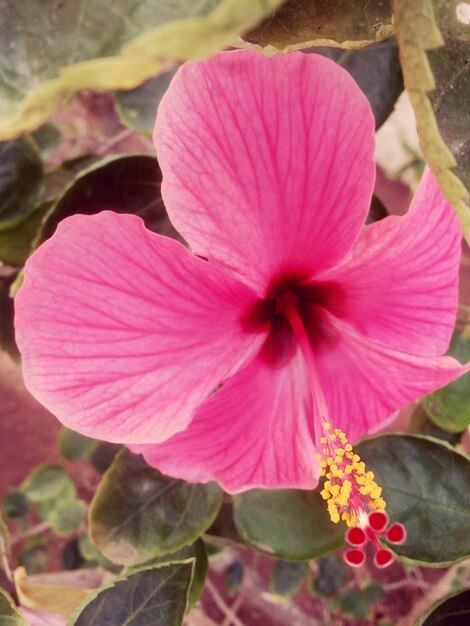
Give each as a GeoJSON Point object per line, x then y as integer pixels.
{"type": "Point", "coordinates": [267, 161]}
{"type": "Point", "coordinates": [364, 382]}
{"type": "Point", "coordinates": [254, 432]}
{"type": "Point", "coordinates": [399, 284]}
{"type": "Point", "coordinates": [123, 332]}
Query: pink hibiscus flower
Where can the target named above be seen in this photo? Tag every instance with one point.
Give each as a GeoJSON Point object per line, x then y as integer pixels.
{"type": "Point", "coordinates": [224, 361]}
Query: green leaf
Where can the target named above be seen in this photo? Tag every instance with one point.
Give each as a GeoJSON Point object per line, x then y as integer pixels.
{"type": "Point", "coordinates": [234, 577]}
{"type": "Point", "coordinates": [47, 508]}
{"type": "Point", "coordinates": [343, 23]}
{"type": "Point", "coordinates": [21, 176]}
{"type": "Point", "coordinates": [198, 551]}
{"type": "Point", "coordinates": [70, 556]}
{"type": "Point", "coordinates": [154, 595]}
{"type": "Point", "coordinates": [289, 523]}
{"type": "Point", "coordinates": [332, 575]}
{"type": "Point", "coordinates": [125, 184]}
{"type": "Point", "coordinates": [20, 179]}
{"type": "Point", "coordinates": [68, 517]}
{"type": "Point", "coordinates": [450, 611]}
{"type": "Point", "coordinates": [9, 614]}
{"type": "Point", "coordinates": [352, 602]}
{"type": "Point", "coordinates": [449, 407]}
{"type": "Point", "coordinates": [74, 446]}
{"type": "Point", "coordinates": [138, 514]}
{"type": "Point", "coordinates": [34, 557]}
{"type": "Point", "coordinates": [287, 578]}
{"type": "Point", "coordinates": [17, 239]}
{"type": "Point", "coordinates": [200, 570]}
{"type": "Point", "coordinates": [373, 593]}
{"type": "Point", "coordinates": [47, 138]}
{"type": "Point", "coordinates": [450, 98]}
{"type": "Point", "coordinates": [137, 108]}
{"type": "Point", "coordinates": [15, 504]}
{"type": "Point", "coordinates": [425, 484]}
{"type": "Point", "coordinates": [50, 50]}
{"type": "Point", "coordinates": [357, 601]}
{"type": "Point", "coordinates": [195, 551]}
{"type": "Point", "coordinates": [377, 71]}
{"type": "Point", "coordinates": [7, 331]}
{"type": "Point", "coordinates": [420, 424]}
{"type": "Point", "coordinates": [104, 455]}
{"type": "Point", "coordinates": [47, 482]}
{"type": "Point", "coordinates": [90, 553]}
{"type": "Point", "coordinates": [441, 116]}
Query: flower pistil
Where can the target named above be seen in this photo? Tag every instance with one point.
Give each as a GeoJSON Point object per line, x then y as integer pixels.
{"type": "Point", "coordinates": [350, 490]}
{"type": "Point", "coordinates": [353, 495]}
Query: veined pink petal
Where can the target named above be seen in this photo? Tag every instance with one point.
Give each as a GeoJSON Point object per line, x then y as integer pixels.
{"type": "Point", "coordinates": [123, 332]}
{"type": "Point", "coordinates": [365, 381]}
{"type": "Point", "coordinates": [267, 161]}
{"type": "Point", "coordinates": [255, 432]}
{"type": "Point", "coordinates": [399, 283]}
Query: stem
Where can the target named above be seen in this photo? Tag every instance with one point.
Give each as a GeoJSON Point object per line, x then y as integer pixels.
{"type": "Point", "coordinates": [405, 583]}
{"type": "Point", "coordinates": [31, 532]}
{"type": "Point", "coordinates": [223, 606]}
{"type": "Point", "coordinates": [439, 590]}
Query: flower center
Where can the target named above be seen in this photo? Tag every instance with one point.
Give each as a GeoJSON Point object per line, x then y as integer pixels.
{"type": "Point", "coordinates": [350, 491]}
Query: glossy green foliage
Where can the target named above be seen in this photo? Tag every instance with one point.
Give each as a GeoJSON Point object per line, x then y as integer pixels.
{"type": "Point", "coordinates": [21, 174]}
{"type": "Point", "coordinates": [75, 447]}
{"type": "Point", "coordinates": [138, 513]}
{"type": "Point", "coordinates": [425, 484]}
{"type": "Point", "coordinates": [449, 407]}
{"type": "Point", "coordinates": [287, 577]}
{"type": "Point", "coordinates": [153, 595]}
{"type": "Point", "coordinates": [289, 523]}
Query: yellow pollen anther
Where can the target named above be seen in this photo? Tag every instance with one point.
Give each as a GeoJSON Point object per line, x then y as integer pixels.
{"type": "Point", "coordinates": [348, 489]}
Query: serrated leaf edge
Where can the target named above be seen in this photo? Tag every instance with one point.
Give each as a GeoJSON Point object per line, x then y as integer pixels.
{"type": "Point", "coordinates": [76, 614]}
{"type": "Point", "coordinates": [416, 41]}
